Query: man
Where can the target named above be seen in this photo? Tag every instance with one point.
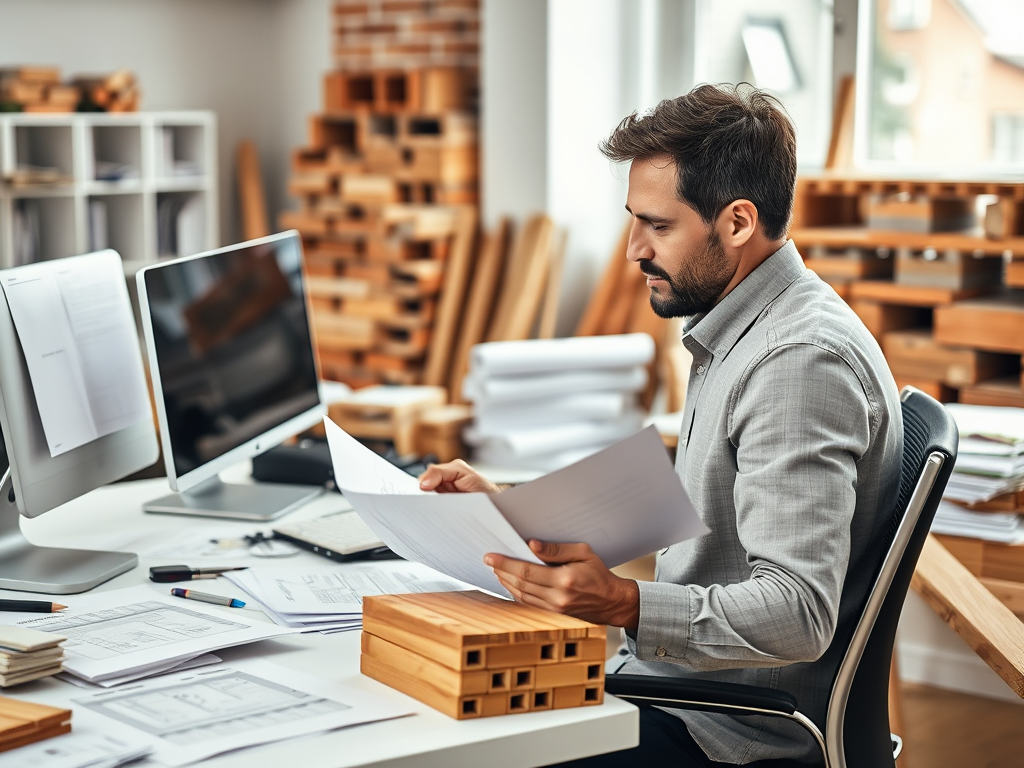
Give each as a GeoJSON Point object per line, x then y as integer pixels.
{"type": "Point", "coordinates": [790, 445]}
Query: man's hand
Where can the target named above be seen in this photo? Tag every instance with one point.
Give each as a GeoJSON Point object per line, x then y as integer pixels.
{"type": "Point", "coordinates": [574, 582]}
{"type": "Point", "coordinates": [455, 477]}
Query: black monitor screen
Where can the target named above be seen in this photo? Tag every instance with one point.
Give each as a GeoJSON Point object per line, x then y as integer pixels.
{"type": "Point", "coordinates": [233, 347]}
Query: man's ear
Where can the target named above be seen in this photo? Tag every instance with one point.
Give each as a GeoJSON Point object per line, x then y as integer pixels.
{"type": "Point", "coordinates": [737, 223]}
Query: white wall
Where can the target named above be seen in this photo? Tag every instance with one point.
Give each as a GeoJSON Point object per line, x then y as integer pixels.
{"type": "Point", "coordinates": [256, 63]}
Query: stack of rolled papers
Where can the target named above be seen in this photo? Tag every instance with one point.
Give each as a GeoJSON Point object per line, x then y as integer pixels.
{"type": "Point", "coordinates": [28, 654]}
{"type": "Point", "coordinates": [990, 456]}
{"type": "Point", "coordinates": [546, 403]}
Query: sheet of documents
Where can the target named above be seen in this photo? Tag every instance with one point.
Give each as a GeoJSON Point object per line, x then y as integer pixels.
{"type": "Point", "coordinates": [75, 324]}
{"type": "Point", "coordinates": [128, 631]}
{"type": "Point", "coordinates": [190, 716]}
{"type": "Point", "coordinates": [625, 501]}
{"type": "Point", "coordinates": [321, 600]}
{"type": "Point", "coordinates": [82, 748]}
{"type": "Point", "coordinates": [447, 532]}
{"type": "Point", "coordinates": [511, 358]}
{"type": "Point", "coordinates": [203, 660]}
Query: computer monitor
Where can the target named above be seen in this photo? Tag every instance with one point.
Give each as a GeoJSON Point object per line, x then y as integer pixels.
{"type": "Point", "coordinates": [35, 481]}
{"type": "Point", "coordinates": [233, 370]}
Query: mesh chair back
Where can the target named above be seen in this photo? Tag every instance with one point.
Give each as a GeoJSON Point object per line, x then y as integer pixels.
{"type": "Point", "coordinates": [858, 720]}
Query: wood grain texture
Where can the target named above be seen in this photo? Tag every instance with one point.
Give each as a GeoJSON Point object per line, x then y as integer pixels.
{"type": "Point", "coordinates": [980, 618]}
{"type": "Point", "coordinates": [614, 271]}
{"type": "Point", "coordinates": [250, 192]}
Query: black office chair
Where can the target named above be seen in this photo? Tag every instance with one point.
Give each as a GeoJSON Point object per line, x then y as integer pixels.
{"type": "Point", "coordinates": [856, 729]}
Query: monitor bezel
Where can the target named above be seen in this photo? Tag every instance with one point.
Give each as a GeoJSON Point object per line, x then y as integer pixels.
{"type": "Point", "coordinates": [257, 445]}
{"type": "Point", "coordinates": [57, 479]}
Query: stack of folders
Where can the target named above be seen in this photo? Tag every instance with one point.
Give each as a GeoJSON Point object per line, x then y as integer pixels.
{"type": "Point", "coordinates": [28, 654]}
{"type": "Point", "coordinates": [546, 403]}
{"type": "Point", "coordinates": [989, 465]}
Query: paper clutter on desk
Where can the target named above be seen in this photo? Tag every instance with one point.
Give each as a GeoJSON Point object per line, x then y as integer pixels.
{"type": "Point", "coordinates": [28, 654]}
{"type": "Point", "coordinates": [546, 403]}
{"type": "Point", "coordinates": [469, 654]}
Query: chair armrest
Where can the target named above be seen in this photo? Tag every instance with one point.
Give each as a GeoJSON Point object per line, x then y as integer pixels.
{"type": "Point", "coordinates": [699, 695]}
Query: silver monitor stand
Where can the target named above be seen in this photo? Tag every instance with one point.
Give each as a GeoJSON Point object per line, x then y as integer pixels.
{"type": "Point", "coordinates": [27, 568]}
{"type": "Point", "coordinates": [213, 498]}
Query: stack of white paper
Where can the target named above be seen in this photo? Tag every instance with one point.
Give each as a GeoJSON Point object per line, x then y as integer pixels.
{"type": "Point", "coordinates": [546, 403]}
{"type": "Point", "coordinates": [83, 748]}
{"type": "Point", "coordinates": [332, 601]}
{"type": "Point", "coordinates": [954, 520]}
{"type": "Point", "coordinates": [989, 463]}
{"type": "Point", "coordinates": [126, 634]}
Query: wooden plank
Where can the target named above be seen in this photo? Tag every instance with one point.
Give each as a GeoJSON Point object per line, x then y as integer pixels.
{"type": "Point", "coordinates": [516, 268]}
{"type": "Point", "coordinates": [1009, 593]}
{"type": "Point", "coordinates": [621, 306]}
{"type": "Point", "coordinates": [250, 192]}
{"type": "Point", "coordinates": [463, 708]}
{"type": "Point", "coordinates": [861, 237]}
{"type": "Point", "coordinates": [886, 292]}
{"type": "Point", "coordinates": [553, 289]}
{"type": "Point", "coordinates": [529, 291]}
{"type": "Point", "coordinates": [1001, 392]}
{"type": "Point", "coordinates": [450, 306]}
{"type": "Point", "coordinates": [559, 675]}
{"type": "Point", "coordinates": [450, 682]}
{"type": "Point", "coordinates": [990, 559]}
{"type": "Point", "coordinates": [915, 354]}
{"type": "Point", "coordinates": [840, 145]}
{"type": "Point", "coordinates": [948, 269]}
{"type": "Point", "coordinates": [610, 283]}
{"type": "Point", "coordinates": [995, 324]}
{"type": "Point", "coordinates": [978, 616]}
{"type": "Point", "coordinates": [880, 319]}
{"type": "Point", "coordinates": [480, 303]}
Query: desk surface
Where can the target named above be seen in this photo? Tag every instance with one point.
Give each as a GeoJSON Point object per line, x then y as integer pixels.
{"type": "Point", "coordinates": [111, 518]}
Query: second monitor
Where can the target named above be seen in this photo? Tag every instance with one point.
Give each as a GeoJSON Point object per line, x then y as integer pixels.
{"type": "Point", "coordinates": [231, 356]}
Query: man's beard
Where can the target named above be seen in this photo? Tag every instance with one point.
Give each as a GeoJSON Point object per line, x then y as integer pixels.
{"type": "Point", "coordinates": [698, 284]}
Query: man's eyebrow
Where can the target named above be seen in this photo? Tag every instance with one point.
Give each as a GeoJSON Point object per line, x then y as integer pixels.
{"type": "Point", "coordinates": [648, 217]}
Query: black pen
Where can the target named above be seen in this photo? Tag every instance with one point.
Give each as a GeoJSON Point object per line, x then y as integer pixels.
{"type": "Point", "coordinates": [30, 606]}
{"type": "Point", "coordinates": [169, 573]}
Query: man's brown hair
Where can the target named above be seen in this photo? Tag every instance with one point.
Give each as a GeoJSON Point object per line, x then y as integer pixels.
{"type": "Point", "coordinates": [728, 143]}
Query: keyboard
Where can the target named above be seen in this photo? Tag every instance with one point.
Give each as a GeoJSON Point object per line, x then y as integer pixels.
{"type": "Point", "coordinates": [340, 536]}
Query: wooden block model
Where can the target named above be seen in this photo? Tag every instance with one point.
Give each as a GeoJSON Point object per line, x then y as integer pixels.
{"type": "Point", "coordinates": [22, 722]}
{"type": "Point", "coordinates": [949, 268]}
{"type": "Point", "coordinates": [439, 431]}
{"type": "Point", "coordinates": [987, 559]}
{"type": "Point", "coordinates": [915, 354]}
{"type": "Point", "coordinates": [468, 654]}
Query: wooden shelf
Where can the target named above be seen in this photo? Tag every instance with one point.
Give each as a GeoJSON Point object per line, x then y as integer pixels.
{"type": "Point", "coordinates": [861, 237]}
{"type": "Point", "coordinates": [886, 292]}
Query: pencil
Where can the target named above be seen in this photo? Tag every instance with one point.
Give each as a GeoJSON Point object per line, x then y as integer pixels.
{"type": "Point", "coordinates": [31, 606]}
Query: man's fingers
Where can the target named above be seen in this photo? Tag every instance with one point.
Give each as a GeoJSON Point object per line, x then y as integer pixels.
{"type": "Point", "coordinates": [555, 553]}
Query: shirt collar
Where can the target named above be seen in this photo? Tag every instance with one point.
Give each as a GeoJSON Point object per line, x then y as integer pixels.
{"type": "Point", "coordinates": [719, 330]}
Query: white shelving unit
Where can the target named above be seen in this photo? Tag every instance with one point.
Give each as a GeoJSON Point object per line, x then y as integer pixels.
{"type": "Point", "coordinates": [142, 183]}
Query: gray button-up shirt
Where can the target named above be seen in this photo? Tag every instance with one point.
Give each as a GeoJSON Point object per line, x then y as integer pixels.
{"type": "Point", "coordinates": [790, 450]}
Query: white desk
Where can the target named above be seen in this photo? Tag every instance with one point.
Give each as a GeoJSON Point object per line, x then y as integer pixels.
{"type": "Point", "coordinates": [111, 518]}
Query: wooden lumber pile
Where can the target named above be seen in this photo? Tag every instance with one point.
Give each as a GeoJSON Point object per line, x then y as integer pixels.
{"type": "Point", "coordinates": [22, 722]}
{"type": "Point", "coordinates": [36, 89]}
{"type": "Point", "coordinates": [469, 655]}
{"type": "Point", "coordinates": [386, 413]}
{"type": "Point", "coordinates": [932, 282]}
{"type": "Point", "coordinates": [114, 92]}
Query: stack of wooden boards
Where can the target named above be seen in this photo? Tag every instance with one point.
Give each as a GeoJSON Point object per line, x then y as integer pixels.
{"type": "Point", "coordinates": [24, 723]}
{"type": "Point", "coordinates": [36, 89]}
{"type": "Point", "coordinates": [468, 654]}
{"type": "Point", "coordinates": [40, 89]}
{"type": "Point", "coordinates": [28, 654]}
{"type": "Point", "coordinates": [935, 284]}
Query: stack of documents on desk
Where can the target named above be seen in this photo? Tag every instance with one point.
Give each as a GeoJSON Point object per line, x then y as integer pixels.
{"type": "Point", "coordinates": [546, 403]}
{"type": "Point", "coordinates": [990, 458]}
{"type": "Point", "coordinates": [332, 600]}
{"type": "Point", "coordinates": [126, 634]}
{"type": "Point", "coordinates": [28, 654]}
{"type": "Point", "coordinates": [954, 520]}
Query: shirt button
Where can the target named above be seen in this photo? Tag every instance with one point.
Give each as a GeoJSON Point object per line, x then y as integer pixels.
{"type": "Point", "coordinates": [660, 652]}
{"type": "Point", "coordinates": [682, 441]}
{"type": "Point", "coordinates": [701, 369]}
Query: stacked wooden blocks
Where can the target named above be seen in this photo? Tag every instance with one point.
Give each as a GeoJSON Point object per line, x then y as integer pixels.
{"type": "Point", "coordinates": [470, 655]}
{"type": "Point", "coordinates": [36, 89]}
{"type": "Point", "coordinates": [22, 722]}
{"type": "Point", "coordinates": [933, 285]}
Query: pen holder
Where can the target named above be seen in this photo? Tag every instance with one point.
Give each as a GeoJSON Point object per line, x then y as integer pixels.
{"type": "Point", "coordinates": [468, 654]}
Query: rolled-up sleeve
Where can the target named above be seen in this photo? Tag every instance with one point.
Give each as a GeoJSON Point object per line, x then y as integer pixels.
{"type": "Point", "coordinates": [799, 420]}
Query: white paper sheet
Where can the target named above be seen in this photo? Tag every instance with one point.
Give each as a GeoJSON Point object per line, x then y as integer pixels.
{"type": "Point", "coordinates": [86, 747]}
{"type": "Point", "coordinates": [116, 633]}
{"type": "Point", "coordinates": [491, 420]}
{"type": "Point", "coordinates": [503, 358]}
{"type": "Point", "coordinates": [293, 592]}
{"type": "Point", "coordinates": [75, 325]}
{"type": "Point", "coordinates": [554, 438]}
{"type": "Point", "coordinates": [500, 389]}
{"type": "Point", "coordinates": [625, 501]}
{"type": "Point", "coordinates": [202, 660]}
{"type": "Point", "coordinates": [190, 716]}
